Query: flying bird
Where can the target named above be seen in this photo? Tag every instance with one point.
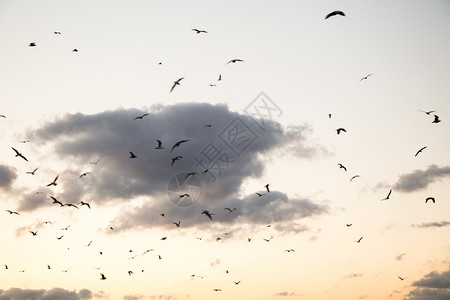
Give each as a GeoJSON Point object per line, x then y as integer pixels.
{"type": "Point", "coordinates": [159, 145]}
{"type": "Point", "coordinates": [220, 77]}
{"type": "Point", "coordinates": [348, 225]}
{"type": "Point", "coordinates": [177, 223]}
{"type": "Point", "coordinates": [60, 237]}
{"type": "Point", "coordinates": [65, 228]}
{"type": "Point", "coordinates": [140, 117]}
{"type": "Point", "coordinates": [267, 188]}
{"type": "Point", "coordinates": [430, 199]}
{"type": "Point", "coordinates": [164, 238]}
{"type": "Point", "coordinates": [365, 77]}
{"type": "Point", "coordinates": [85, 203]}
{"type": "Point", "coordinates": [420, 150]}
{"type": "Point", "coordinates": [387, 197]}
{"type": "Point", "coordinates": [32, 44]}
{"type": "Point", "coordinates": [356, 176]}
{"type": "Point", "coordinates": [132, 155]}
{"type": "Point", "coordinates": [234, 61]}
{"type": "Point", "coordinates": [54, 181]}
{"type": "Point", "coordinates": [177, 144]}
{"type": "Point", "coordinates": [84, 174]}
{"type": "Point", "coordinates": [207, 213]}
{"type": "Point", "coordinates": [199, 31]}
{"type": "Point", "coordinates": [75, 50]}
{"type": "Point", "coordinates": [176, 158]}
{"type": "Point", "coordinates": [436, 119]}
{"type": "Point", "coordinates": [259, 194]}
{"type": "Point", "coordinates": [217, 290]}
{"type": "Point", "coordinates": [236, 282]}
{"type": "Point", "coordinates": [341, 166]}
{"type": "Point", "coordinates": [57, 32]}
{"type": "Point", "coordinates": [103, 277]}
{"type": "Point", "coordinates": [229, 209]}
{"type": "Point", "coordinates": [95, 163]}
{"type": "Point", "coordinates": [359, 240]}
{"type": "Point", "coordinates": [190, 174]}
{"type": "Point", "coordinates": [175, 83]}
{"type": "Point", "coordinates": [401, 278]}
{"type": "Point", "coordinates": [130, 273]}
{"type": "Point", "coordinates": [339, 130]}
{"type": "Point", "coordinates": [71, 205]}
{"type": "Point", "coordinates": [289, 250]}
{"type": "Point", "coordinates": [427, 112]}
{"type": "Point", "coordinates": [13, 212]}
{"type": "Point", "coordinates": [56, 201]}
{"type": "Point", "coordinates": [19, 154]}
{"type": "Point", "coordinates": [32, 172]}
{"type": "Point", "coordinates": [335, 13]}
{"type": "Point", "coordinates": [34, 233]}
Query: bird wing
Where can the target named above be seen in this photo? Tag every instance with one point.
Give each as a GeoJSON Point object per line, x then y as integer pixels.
{"type": "Point", "coordinates": [17, 152]}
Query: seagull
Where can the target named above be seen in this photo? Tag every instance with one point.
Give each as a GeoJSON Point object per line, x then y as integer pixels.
{"type": "Point", "coordinates": [84, 174]}
{"type": "Point", "coordinates": [56, 201]}
{"type": "Point", "coordinates": [234, 61]}
{"type": "Point", "coordinates": [249, 239]}
{"type": "Point", "coordinates": [159, 145]}
{"type": "Point", "coordinates": [19, 154]}
{"type": "Point", "coordinates": [341, 166]}
{"type": "Point", "coordinates": [329, 116]}
{"type": "Point", "coordinates": [72, 205]}
{"type": "Point", "coordinates": [6, 267]}
{"type": "Point", "coordinates": [335, 13]}
{"type": "Point", "coordinates": [229, 209]}
{"type": "Point", "coordinates": [236, 282]}
{"type": "Point", "coordinates": [220, 78]}
{"type": "Point", "coordinates": [268, 240]}
{"type": "Point", "coordinates": [427, 112]}
{"type": "Point", "coordinates": [130, 273]}
{"type": "Point", "coordinates": [24, 141]}
{"type": "Point", "coordinates": [65, 228]}
{"type": "Point", "coordinates": [34, 233]}
{"type": "Point", "coordinates": [132, 155]}
{"type": "Point", "coordinates": [54, 181]}
{"type": "Point", "coordinates": [348, 225]}
{"type": "Point", "coordinates": [207, 213]}
{"type": "Point", "coordinates": [175, 83]}
{"type": "Point", "coordinates": [267, 188]}
{"type": "Point", "coordinates": [177, 144]}
{"type": "Point", "coordinates": [66, 270]}
{"type": "Point", "coordinates": [289, 250]}
{"type": "Point", "coordinates": [57, 32]}
{"type": "Point", "coordinates": [159, 256]}
{"type": "Point", "coordinates": [365, 77]}
{"type": "Point", "coordinates": [162, 215]}
{"type": "Point", "coordinates": [85, 203]}
{"type": "Point", "coordinates": [103, 277]}
{"type": "Point", "coordinates": [148, 250]}
{"type": "Point", "coordinates": [340, 129]}
{"type": "Point", "coordinates": [176, 158]}
{"type": "Point", "coordinates": [177, 224]}
{"type": "Point", "coordinates": [259, 194]}
{"type": "Point", "coordinates": [387, 197]}
{"type": "Point", "coordinates": [359, 240]}
{"type": "Point", "coordinates": [212, 85]}
{"type": "Point", "coordinates": [190, 174]}
{"type": "Point", "coordinates": [59, 237]}
{"type": "Point", "coordinates": [436, 119]}
{"type": "Point", "coordinates": [48, 267]}
{"type": "Point", "coordinates": [420, 150]}
{"type": "Point", "coordinates": [75, 50]}
{"type": "Point", "coordinates": [401, 278]}
{"type": "Point", "coordinates": [199, 31]}
{"type": "Point", "coordinates": [32, 172]}
{"type": "Point", "coordinates": [431, 199]}
{"type": "Point", "coordinates": [354, 177]}
{"type": "Point", "coordinates": [140, 117]}
{"type": "Point", "coordinates": [164, 238]}
{"type": "Point", "coordinates": [184, 195]}
{"type": "Point", "coordinates": [32, 44]}
{"type": "Point", "coordinates": [217, 290]}
{"type": "Point", "coordinates": [208, 125]}
{"type": "Point", "coordinates": [13, 212]}
{"type": "Point", "coordinates": [95, 163]}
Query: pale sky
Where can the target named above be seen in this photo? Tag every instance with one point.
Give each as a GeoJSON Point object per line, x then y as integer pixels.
{"type": "Point", "coordinates": [265, 122]}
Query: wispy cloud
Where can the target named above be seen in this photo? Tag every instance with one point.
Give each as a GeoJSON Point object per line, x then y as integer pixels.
{"type": "Point", "coordinates": [353, 275]}
{"type": "Point", "coordinates": [420, 179]}
{"type": "Point", "coordinates": [53, 294]}
{"type": "Point", "coordinates": [431, 224]}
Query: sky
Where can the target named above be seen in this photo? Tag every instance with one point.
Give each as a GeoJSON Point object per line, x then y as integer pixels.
{"type": "Point", "coordinates": [251, 193]}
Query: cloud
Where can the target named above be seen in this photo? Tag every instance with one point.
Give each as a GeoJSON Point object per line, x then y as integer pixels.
{"type": "Point", "coordinates": [434, 286]}
{"type": "Point", "coordinates": [420, 179]}
{"type": "Point", "coordinates": [353, 275]}
{"type": "Point", "coordinates": [400, 256]}
{"type": "Point", "coordinates": [431, 224]}
{"type": "Point", "coordinates": [53, 294]}
{"type": "Point", "coordinates": [7, 176]}
{"type": "Point", "coordinates": [287, 294]}
{"type": "Point", "coordinates": [233, 150]}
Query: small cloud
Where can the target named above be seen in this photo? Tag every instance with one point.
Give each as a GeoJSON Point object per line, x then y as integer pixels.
{"type": "Point", "coordinates": [400, 256]}
{"type": "Point", "coordinates": [7, 176]}
{"type": "Point", "coordinates": [431, 224]}
{"type": "Point", "coordinates": [420, 179]}
{"type": "Point", "coordinates": [287, 294]}
{"type": "Point", "coordinates": [353, 275]}
{"type": "Point", "coordinates": [215, 263]}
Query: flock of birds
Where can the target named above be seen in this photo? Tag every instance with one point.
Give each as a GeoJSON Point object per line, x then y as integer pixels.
{"type": "Point", "coordinates": [208, 214]}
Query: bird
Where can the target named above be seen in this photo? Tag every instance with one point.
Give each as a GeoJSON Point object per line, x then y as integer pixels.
{"type": "Point", "coordinates": [436, 119]}
{"type": "Point", "coordinates": [249, 239]}
{"type": "Point", "coordinates": [259, 194]}
{"type": "Point", "coordinates": [164, 238]}
{"type": "Point", "coordinates": [356, 176]}
{"type": "Point", "coordinates": [199, 31]}
{"type": "Point", "coordinates": [56, 201]}
{"type": "Point", "coordinates": [71, 205]}
{"type": "Point", "coordinates": [13, 212]}
{"type": "Point", "coordinates": [401, 278]}
{"type": "Point", "coordinates": [85, 203]}
{"type": "Point", "coordinates": [348, 225]}
{"type": "Point", "coordinates": [66, 270]}
{"type": "Point", "coordinates": [162, 215]}
{"type": "Point", "coordinates": [6, 267]}
{"type": "Point", "coordinates": [159, 145]}
{"type": "Point", "coordinates": [218, 239]}
{"type": "Point", "coordinates": [289, 250]}
{"type": "Point", "coordinates": [140, 117]}
{"type": "Point", "coordinates": [341, 166]}
{"type": "Point", "coordinates": [176, 158]}
{"type": "Point", "coordinates": [420, 150]}
{"type": "Point", "coordinates": [430, 199]}
{"type": "Point", "coordinates": [159, 256]}
{"type": "Point", "coordinates": [59, 237]}
{"type": "Point", "coordinates": [130, 273]}
{"type": "Point", "coordinates": [212, 85]}
{"type": "Point", "coordinates": [32, 44]}
{"type": "Point", "coordinates": [190, 174]}
{"type": "Point", "coordinates": [95, 163]}
{"type": "Point", "coordinates": [103, 277]}
{"type": "Point", "coordinates": [387, 197]}
{"type": "Point", "coordinates": [132, 155]}
{"type": "Point", "coordinates": [220, 78]}
{"type": "Point", "coordinates": [65, 228]}
{"type": "Point", "coordinates": [217, 290]}
{"type": "Point", "coordinates": [24, 141]}
{"type": "Point", "coordinates": [335, 13]}
{"type": "Point", "coordinates": [175, 83]}
{"type": "Point", "coordinates": [57, 32]}
{"type": "Point", "coordinates": [236, 282]}
{"type": "Point", "coordinates": [19, 154]}
{"type": "Point", "coordinates": [365, 77]}
{"type": "Point", "coordinates": [34, 233]}
{"type": "Point", "coordinates": [32, 172]}
{"type": "Point", "coordinates": [184, 195]}
{"type": "Point", "coordinates": [75, 50]}
{"type": "Point", "coordinates": [339, 130]}
{"type": "Point", "coordinates": [177, 144]}
{"type": "Point", "coordinates": [208, 125]}
{"type": "Point", "coordinates": [177, 223]}
{"type": "Point", "coordinates": [359, 240]}
{"type": "Point", "coordinates": [329, 116]}
{"type": "Point", "coordinates": [88, 244]}
{"type": "Point", "coordinates": [229, 209]}
{"type": "Point", "coordinates": [234, 60]}
{"type": "Point", "coordinates": [267, 188]}
{"type": "Point", "coordinates": [54, 181]}
{"type": "Point", "coordinates": [427, 112]}
{"type": "Point", "coordinates": [48, 267]}
{"type": "Point", "coordinates": [84, 174]}
{"type": "Point", "coordinates": [148, 250]}
{"type": "Point", "coordinates": [207, 213]}
{"type": "Point", "coordinates": [268, 240]}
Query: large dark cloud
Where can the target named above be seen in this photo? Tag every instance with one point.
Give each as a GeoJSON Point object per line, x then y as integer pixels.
{"type": "Point", "coordinates": [420, 179]}
{"type": "Point", "coordinates": [7, 176]}
{"type": "Point", "coordinates": [233, 149]}
{"type": "Point", "coordinates": [53, 294]}
{"type": "Point", "coordinates": [434, 286]}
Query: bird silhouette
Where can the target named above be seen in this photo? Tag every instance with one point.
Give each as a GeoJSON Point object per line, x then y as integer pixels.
{"type": "Point", "coordinates": [289, 250]}
{"type": "Point", "coordinates": [88, 244]}
{"type": "Point", "coordinates": [18, 154]}
{"type": "Point", "coordinates": [177, 223]}
{"type": "Point", "coordinates": [436, 119]}
{"type": "Point", "coordinates": [56, 201]}
{"type": "Point", "coordinates": [427, 112]}
{"type": "Point", "coordinates": [359, 240]}
{"type": "Point", "coordinates": [401, 278]}
{"type": "Point", "coordinates": [32, 172]}
{"type": "Point", "coordinates": [48, 267]}
{"type": "Point", "coordinates": [54, 181]}
{"type": "Point", "coordinates": [32, 44]}
{"type": "Point", "coordinates": [420, 150]}
{"type": "Point", "coordinates": [59, 237]}
{"type": "Point", "coordinates": [339, 130]}
{"type": "Point", "coordinates": [164, 238]}
{"type": "Point", "coordinates": [84, 174]}
{"type": "Point", "coordinates": [208, 214]}
{"type": "Point", "coordinates": [236, 282]}
{"type": "Point", "coordinates": [217, 290]}
{"type": "Point", "coordinates": [335, 13]}
{"type": "Point", "coordinates": [356, 176]}
{"type": "Point", "coordinates": [95, 163]}
{"type": "Point", "coordinates": [140, 117]}
{"type": "Point", "coordinates": [132, 155]}
{"type": "Point", "coordinates": [159, 145]}
{"type": "Point", "coordinates": [2, 116]}
{"type": "Point", "coordinates": [65, 228]}
{"type": "Point", "coordinates": [387, 197]}
{"type": "Point", "coordinates": [85, 203]}
{"type": "Point", "coordinates": [175, 83]}
{"type": "Point", "coordinates": [259, 194]}
{"type": "Point", "coordinates": [199, 31]}
{"type": "Point", "coordinates": [365, 77]}
{"type": "Point", "coordinates": [57, 32]}
{"type": "Point", "coordinates": [190, 174]}
{"type": "Point", "coordinates": [341, 166]}
{"type": "Point", "coordinates": [13, 212]}
{"type": "Point", "coordinates": [267, 188]}
{"type": "Point", "coordinates": [235, 60]}
{"type": "Point", "coordinates": [176, 158]}
{"type": "Point", "coordinates": [430, 199]}
{"type": "Point", "coordinates": [220, 78]}
{"type": "Point", "coordinates": [177, 144]}
{"type": "Point", "coordinates": [71, 205]}
{"type": "Point", "coordinates": [103, 277]}
{"type": "Point", "coordinates": [75, 50]}
{"type": "Point", "coordinates": [229, 209]}
{"type": "Point", "coordinates": [348, 225]}
{"type": "Point", "coordinates": [34, 233]}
